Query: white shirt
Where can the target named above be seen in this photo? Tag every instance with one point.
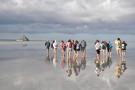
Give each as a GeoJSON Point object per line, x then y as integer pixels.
{"type": "Point", "coordinates": [55, 45]}
{"type": "Point", "coordinates": [97, 45]}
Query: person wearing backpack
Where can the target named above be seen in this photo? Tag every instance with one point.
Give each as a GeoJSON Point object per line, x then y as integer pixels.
{"type": "Point", "coordinates": [83, 45]}
{"type": "Point", "coordinates": [118, 46]}
{"type": "Point", "coordinates": [47, 45]}
{"type": "Point", "coordinates": [103, 50]}
{"type": "Point", "coordinates": [123, 48]}
{"type": "Point", "coordinates": [109, 48]}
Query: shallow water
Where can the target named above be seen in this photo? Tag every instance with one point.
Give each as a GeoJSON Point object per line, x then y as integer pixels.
{"type": "Point", "coordinates": [23, 66]}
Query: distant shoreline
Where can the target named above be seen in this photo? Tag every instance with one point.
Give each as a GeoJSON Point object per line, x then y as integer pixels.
{"type": "Point", "coordinates": [19, 40]}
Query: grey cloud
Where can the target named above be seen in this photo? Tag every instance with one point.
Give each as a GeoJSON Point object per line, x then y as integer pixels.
{"type": "Point", "coordinates": [95, 14]}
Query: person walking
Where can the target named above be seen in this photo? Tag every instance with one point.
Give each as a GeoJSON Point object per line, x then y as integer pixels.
{"type": "Point", "coordinates": [123, 49]}
{"type": "Point", "coordinates": [47, 45]}
{"type": "Point", "coordinates": [98, 48]}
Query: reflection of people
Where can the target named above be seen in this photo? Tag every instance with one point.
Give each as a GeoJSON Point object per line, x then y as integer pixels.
{"type": "Point", "coordinates": [118, 71]}
{"type": "Point", "coordinates": [47, 59]}
{"type": "Point", "coordinates": [109, 61]}
{"type": "Point", "coordinates": [123, 66]}
{"type": "Point", "coordinates": [24, 44]}
{"type": "Point", "coordinates": [98, 67]}
{"type": "Point", "coordinates": [106, 63]}
{"type": "Point", "coordinates": [76, 68]}
{"type": "Point", "coordinates": [47, 44]}
{"type": "Point", "coordinates": [76, 65]}
{"type": "Point", "coordinates": [55, 46]}
{"type": "Point", "coordinates": [83, 63]}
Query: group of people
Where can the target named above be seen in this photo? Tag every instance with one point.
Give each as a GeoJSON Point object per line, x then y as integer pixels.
{"type": "Point", "coordinates": [75, 56]}
{"type": "Point", "coordinates": [103, 51]}
{"type": "Point", "coordinates": [121, 47]}
{"type": "Point", "coordinates": [103, 55]}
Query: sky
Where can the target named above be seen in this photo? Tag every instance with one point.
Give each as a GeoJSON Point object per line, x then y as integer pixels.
{"type": "Point", "coordinates": [67, 15]}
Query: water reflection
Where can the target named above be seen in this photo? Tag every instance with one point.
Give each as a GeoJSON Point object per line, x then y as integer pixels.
{"type": "Point", "coordinates": [118, 71]}
{"type": "Point", "coordinates": [83, 59]}
{"type": "Point", "coordinates": [72, 62]}
{"type": "Point", "coordinates": [123, 66]}
{"type": "Point", "coordinates": [101, 65]}
{"type": "Point", "coordinates": [24, 44]}
{"type": "Point", "coordinates": [120, 68]}
{"type": "Point", "coordinates": [78, 63]}
{"type": "Point", "coordinates": [47, 59]}
{"type": "Point", "coordinates": [83, 63]}
{"type": "Point", "coordinates": [63, 62]}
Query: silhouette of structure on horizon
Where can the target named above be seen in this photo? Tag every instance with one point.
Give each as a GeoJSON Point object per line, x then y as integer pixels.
{"type": "Point", "coordinates": [23, 38]}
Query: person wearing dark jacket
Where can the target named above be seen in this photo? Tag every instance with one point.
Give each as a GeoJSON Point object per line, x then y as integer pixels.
{"type": "Point", "coordinates": [47, 45]}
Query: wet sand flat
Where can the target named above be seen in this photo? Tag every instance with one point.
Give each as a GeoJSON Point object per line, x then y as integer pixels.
{"type": "Point", "coordinates": [26, 68]}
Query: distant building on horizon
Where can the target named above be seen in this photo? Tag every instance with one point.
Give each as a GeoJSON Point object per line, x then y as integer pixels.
{"type": "Point", "coordinates": [23, 38]}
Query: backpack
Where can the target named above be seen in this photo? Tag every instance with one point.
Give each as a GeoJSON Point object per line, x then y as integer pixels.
{"type": "Point", "coordinates": [110, 45]}
{"type": "Point", "coordinates": [123, 46]}
{"type": "Point", "coordinates": [103, 46]}
{"type": "Point", "coordinates": [83, 44]}
{"type": "Point", "coordinates": [47, 44]}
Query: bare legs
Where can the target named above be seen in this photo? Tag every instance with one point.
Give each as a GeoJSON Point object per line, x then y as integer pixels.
{"type": "Point", "coordinates": [55, 56]}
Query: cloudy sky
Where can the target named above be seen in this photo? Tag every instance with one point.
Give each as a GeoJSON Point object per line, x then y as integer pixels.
{"type": "Point", "coordinates": [64, 15]}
